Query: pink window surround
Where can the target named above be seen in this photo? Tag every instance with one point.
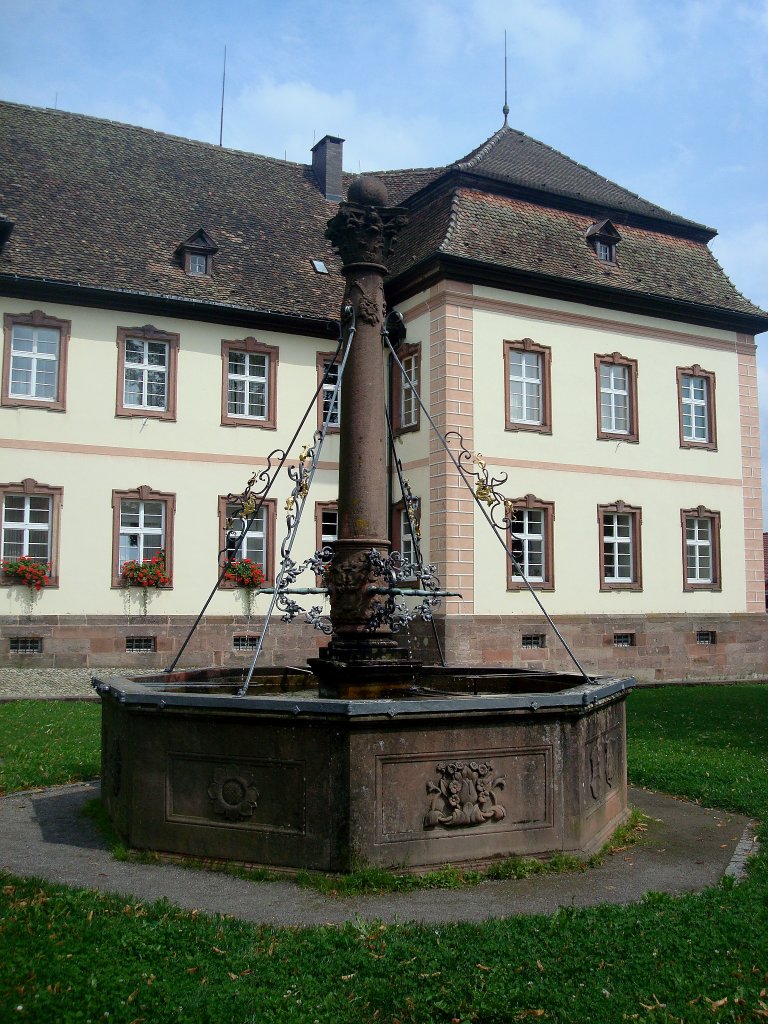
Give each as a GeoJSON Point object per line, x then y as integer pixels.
{"type": "Point", "coordinates": [143, 493]}
{"type": "Point", "coordinates": [148, 333]}
{"type": "Point", "coordinates": [37, 318]}
{"type": "Point", "coordinates": [28, 488]}
{"type": "Point", "coordinates": [252, 346]}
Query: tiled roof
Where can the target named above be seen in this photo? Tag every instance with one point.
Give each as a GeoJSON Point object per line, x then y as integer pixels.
{"type": "Point", "coordinates": [105, 206]}
{"type": "Point", "coordinates": [523, 236]}
{"type": "Point", "coordinates": [515, 158]}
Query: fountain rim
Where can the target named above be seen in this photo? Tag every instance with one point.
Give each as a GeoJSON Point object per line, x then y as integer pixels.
{"type": "Point", "coordinates": [151, 693]}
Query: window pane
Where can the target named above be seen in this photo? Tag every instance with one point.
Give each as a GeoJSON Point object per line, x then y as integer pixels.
{"type": "Point", "coordinates": [134, 351]}
{"type": "Point", "coordinates": [156, 353]}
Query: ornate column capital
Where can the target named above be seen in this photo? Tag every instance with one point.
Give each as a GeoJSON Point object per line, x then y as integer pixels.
{"type": "Point", "coordinates": [365, 228]}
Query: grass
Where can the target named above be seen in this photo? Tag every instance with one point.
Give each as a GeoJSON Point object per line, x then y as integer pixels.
{"type": "Point", "coordinates": [72, 955]}
{"type": "Point", "coordinates": [370, 881]}
{"type": "Point", "coordinates": [48, 743]}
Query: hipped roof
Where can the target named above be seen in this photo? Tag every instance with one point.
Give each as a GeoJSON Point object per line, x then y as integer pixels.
{"type": "Point", "coordinates": [102, 207]}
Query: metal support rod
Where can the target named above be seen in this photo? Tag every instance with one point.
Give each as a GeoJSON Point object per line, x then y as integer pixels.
{"type": "Point", "coordinates": [411, 527]}
{"type": "Point", "coordinates": [488, 519]}
{"type": "Point", "coordinates": [289, 541]}
{"type": "Point", "coordinates": [260, 503]}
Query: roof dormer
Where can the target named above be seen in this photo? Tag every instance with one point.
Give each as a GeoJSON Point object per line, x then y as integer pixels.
{"type": "Point", "coordinates": [196, 254]}
{"type": "Point", "coordinates": [6, 227]}
{"type": "Point", "coordinates": [603, 237]}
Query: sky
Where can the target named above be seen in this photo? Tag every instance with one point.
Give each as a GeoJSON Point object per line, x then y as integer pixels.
{"type": "Point", "coordinates": [667, 97]}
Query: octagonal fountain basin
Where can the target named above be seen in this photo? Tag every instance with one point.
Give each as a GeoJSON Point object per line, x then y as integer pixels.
{"type": "Point", "coordinates": [470, 764]}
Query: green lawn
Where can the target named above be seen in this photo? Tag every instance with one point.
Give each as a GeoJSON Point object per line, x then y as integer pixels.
{"type": "Point", "coordinates": [67, 955]}
{"type": "Point", "coordinates": [47, 743]}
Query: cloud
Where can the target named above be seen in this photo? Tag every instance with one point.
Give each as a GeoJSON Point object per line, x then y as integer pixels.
{"type": "Point", "coordinates": [286, 119]}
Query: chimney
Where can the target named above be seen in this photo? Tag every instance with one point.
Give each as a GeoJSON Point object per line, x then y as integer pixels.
{"type": "Point", "coordinates": [326, 166]}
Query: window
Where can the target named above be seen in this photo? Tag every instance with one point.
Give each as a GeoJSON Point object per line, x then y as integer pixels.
{"type": "Point", "coordinates": [531, 534]}
{"type": "Point", "coordinates": [706, 637]}
{"type": "Point", "coordinates": [620, 561]}
{"type": "Point", "coordinates": [606, 251]}
{"type": "Point", "coordinates": [527, 384]}
{"type": "Point", "coordinates": [406, 412]}
{"type": "Point", "coordinates": [403, 534]}
{"type": "Point", "coordinates": [197, 264]}
{"type": "Point", "coordinates": [249, 384]}
{"type": "Point", "coordinates": [140, 644]}
{"type": "Point", "coordinates": [142, 525]}
{"type": "Point", "coordinates": [259, 541]}
{"type": "Point", "coordinates": [30, 523]}
{"type": "Point", "coordinates": [246, 642]}
{"type": "Point", "coordinates": [616, 397]}
{"type": "Point", "coordinates": [196, 254]}
{"type": "Point", "coordinates": [25, 645]}
{"type": "Point", "coordinates": [35, 361]}
{"type": "Point", "coordinates": [696, 403]}
{"type": "Point", "coordinates": [327, 523]}
{"type": "Point", "coordinates": [328, 409]}
{"type": "Point", "coordinates": [701, 549]}
{"type": "Point", "coordinates": [533, 641]}
{"type": "Point", "coordinates": [146, 373]}
{"type": "Point", "coordinates": [624, 640]}
{"type": "Point", "coordinates": [603, 237]}
{"type": "Point", "coordinates": [326, 527]}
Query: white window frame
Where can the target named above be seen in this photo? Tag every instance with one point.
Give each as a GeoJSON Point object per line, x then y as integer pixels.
{"type": "Point", "coordinates": [696, 407]}
{"type": "Point", "coordinates": [256, 540]}
{"type": "Point", "coordinates": [328, 536]}
{"type": "Point", "coordinates": [529, 536]}
{"type": "Point", "coordinates": [618, 547]}
{"type": "Point", "coordinates": [332, 414]}
{"type": "Point", "coordinates": [142, 532]}
{"type": "Point", "coordinates": [197, 264]}
{"type": "Point", "coordinates": [27, 526]}
{"type": "Point", "coordinates": [252, 380]}
{"type": "Point", "coordinates": [41, 363]}
{"type": "Point", "coordinates": [145, 368]}
{"type": "Point", "coordinates": [409, 408]}
{"type": "Point", "coordinates": [527, 386]}
{"type": "Point", "coordinates": [610, 395]}
{"type": "Point", "coordinates": [699, 548]}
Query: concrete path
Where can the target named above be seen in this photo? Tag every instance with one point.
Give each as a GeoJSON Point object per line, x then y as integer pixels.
{"type": "Point", "coordinates": [43, 834]}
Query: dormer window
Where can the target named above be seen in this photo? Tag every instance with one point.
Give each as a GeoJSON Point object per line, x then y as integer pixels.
{"type": "Point", "coordinates": [197, 264]}
{"type": "Point", "coordinates": [603, 237]}
{"type": "Point", "coordinates": [196, 254]}
{"type": "Point", "coordinates": [6, 227]}
{"type": "Point", "coordinates": [605, 252]}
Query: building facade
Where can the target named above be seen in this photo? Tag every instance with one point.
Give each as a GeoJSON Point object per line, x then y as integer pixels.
{"type": "Point", "coordinates": [169, 312]}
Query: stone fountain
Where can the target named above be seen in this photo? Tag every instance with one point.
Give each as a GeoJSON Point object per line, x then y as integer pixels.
{"type": "Point", "coordinates": [364, 756]}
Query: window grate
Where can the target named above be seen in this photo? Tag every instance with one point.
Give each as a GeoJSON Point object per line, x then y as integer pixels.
{"type": "Point", "coordinates": [623, 639]}
{"type": "Point", "coordinates": [25, 645]}
{"type": "Point", "coordinates": [244, 643]}
{"type": "Point", "coordinates": [140, 644]}
{"type": "Point", "coordinates": [533, 641]}
{"type": "Point", "coordinates": [706, 637]}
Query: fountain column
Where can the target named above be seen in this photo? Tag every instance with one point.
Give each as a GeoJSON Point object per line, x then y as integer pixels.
{"type": "Point", "coordinates": [358, 663]}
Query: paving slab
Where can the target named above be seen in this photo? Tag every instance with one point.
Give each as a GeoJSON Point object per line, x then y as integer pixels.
{"type": "Point", "coordinates": [44, 834]}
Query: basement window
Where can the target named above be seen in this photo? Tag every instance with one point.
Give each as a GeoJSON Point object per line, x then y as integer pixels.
{"type": "Point", "coordinates": [25, 645]}
{"type": "Point", "coordinates": [140, 645]}
{"type": "Point", "coordinates": [706, 637]}
{"type": "Point", "coordinates": [534, 641]}
{"type": "Point", "coordinates": [623, 639]}
{"type": "Point", "coordinates": [244, 643]}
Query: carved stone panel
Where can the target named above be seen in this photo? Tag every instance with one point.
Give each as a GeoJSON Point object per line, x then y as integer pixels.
{"type": "Point", "coordinates": [603, 754]}
{"type": "Point", "coordinates": [431, 796]}
{"type": "Point", "coordinates": [250, 793]}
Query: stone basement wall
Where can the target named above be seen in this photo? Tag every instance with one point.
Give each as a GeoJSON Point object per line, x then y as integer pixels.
{"type": "Point", "coordinates": [665, 646]}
